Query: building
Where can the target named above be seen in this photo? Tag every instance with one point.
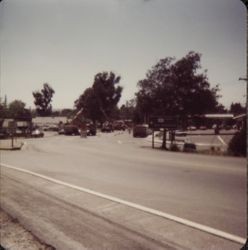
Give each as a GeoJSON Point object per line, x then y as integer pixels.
{"type": "Point", "coordinates": [46, 122]}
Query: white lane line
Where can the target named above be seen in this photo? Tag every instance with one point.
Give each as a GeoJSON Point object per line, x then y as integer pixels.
{"type": "Point", "coordinates": [186, 222]}
{"type": "Point", "coordinates": [221, 140]}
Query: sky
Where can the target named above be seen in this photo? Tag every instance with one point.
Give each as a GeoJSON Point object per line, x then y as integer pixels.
{"type": "Point", "coordinates": [67, 42]}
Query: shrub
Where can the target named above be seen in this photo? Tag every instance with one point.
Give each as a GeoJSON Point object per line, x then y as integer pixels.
{"type": "Point", "coordinates": [237, 145]}
{"type": "Point", "coordinates": [189, 147]}
{"type": "Point", "coordinates": [174, 148]}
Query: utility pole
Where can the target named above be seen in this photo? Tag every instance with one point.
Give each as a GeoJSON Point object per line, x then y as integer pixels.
{"type": "Point", "coordinates": [245, 2]}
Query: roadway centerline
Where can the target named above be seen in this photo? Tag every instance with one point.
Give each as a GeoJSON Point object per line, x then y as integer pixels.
{"type": "Point", "coordinates": [183, 221]}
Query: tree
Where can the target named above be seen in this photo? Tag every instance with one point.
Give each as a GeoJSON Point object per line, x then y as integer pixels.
{"type": "Point", "coordinates": [237, 145]}
{"type": "Point", "coordinates": [237, 109]}
{"type": "Point", "coordinates": [100, 101]}
{"type": "Point", "coordinates": [220, 109]}
{"type": "Point", "coordinates": [42, 100]}
{"type": "Point", "coordinates": [3, 108]}
{"type": "Point", "coordinates": [17, 110]}
{"type": "Point", "coordinates": [127, 110]}
{"type": "Point", "coordinates": [88, 102]}
{"type": "Point", "coordinates": [67, 112]}
{"type": "Point", "coordinates": [176, 88]}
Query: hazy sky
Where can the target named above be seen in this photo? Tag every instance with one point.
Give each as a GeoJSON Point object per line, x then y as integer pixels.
{"type": "Point", "coordinates": [66, 42]}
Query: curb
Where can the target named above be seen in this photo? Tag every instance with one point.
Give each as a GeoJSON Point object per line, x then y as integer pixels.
{"type": "Point", "coordinates": [12, 148]}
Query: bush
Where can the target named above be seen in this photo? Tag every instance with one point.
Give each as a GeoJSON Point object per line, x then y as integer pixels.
{"type": "Point", "coordinates": [174, 148]}
{"type": "Point", "coordinates": [189, 147]}
{"type": "Point", "coordinates": [237, 145]}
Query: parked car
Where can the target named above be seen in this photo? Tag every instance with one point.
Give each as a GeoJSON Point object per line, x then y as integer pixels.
{"type": "Point", "coordinates": [3, 134]}
{"type": "Point", "coordinates": [71, 130]}
{"type": "Point", "coordinates": [91, 129]}
{"type": "Point", "coordinates": [119, 125]}
{"type": "Point", "coordinates": [192, 128]}
{"type": "Point", "coordinates": [227, 127]}
{"type": "Point", "coordinates": [180, 133]}
{"type": "Point", "coordinates": [37, 133]}
{"type": "Point", "coordinates": [53, 128]}
{"type": "Point", "coordinates": [61, 131]}
{"type": "Point", "coordinates": [107, 127]}
{"type": "Point", "coordinates": [141, 130]}
{"type": "Point", "coordinates": [45, 128]}
{"type": "Point", "coordinates": [189, 147]}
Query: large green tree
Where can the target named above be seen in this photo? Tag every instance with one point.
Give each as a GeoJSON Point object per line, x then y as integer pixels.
{"type": "Point", "coordinates": [67, 112]}
{"type": "Point", "coordinates": [237, 108]}
{"type": "Point", "coordinates": [43, 99]}
{"type": "Point", "coordinates": [99, 102]}
{"type": "Point", "coordinates": [237, 145]}
{"type": "Point", "coordinates": [17, 110]}
{"type": "Point", "coordinates": [3, 108]}
{"type": "Point", "coordinates": [127, 110]}
{"type": "Point", "coordinates": [177, 88]}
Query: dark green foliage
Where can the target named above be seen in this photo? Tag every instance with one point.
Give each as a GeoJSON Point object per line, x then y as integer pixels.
{"type": "Point", "coordinates": [237, 108]}
{"type": "Point", "coordinates": [42, 100]}
{"type": "Point", "coordinates": [89, 103]}
{"type": "Point", "coordinates": [127, 110]}
{"type": "Point", "coordinates": [189, 147]}
{"type": "Point", "coordinates": [15, 110]}
{"type": "Point", "coordinates": [237, 145]}
{"type": "Point", "coordinates": [3, 110]}
{"type": "Point", "coordinates": [174, 148]}
{"type": "Point", "coordinates": [176, 88]}
{"type": "Point", "coordinates": [99, 103]}
{"type": "Point", "coordinates": [67, 112]}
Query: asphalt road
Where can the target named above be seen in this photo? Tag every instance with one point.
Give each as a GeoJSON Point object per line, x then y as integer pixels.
{"type": "Point", "coordinates": [204, 189]}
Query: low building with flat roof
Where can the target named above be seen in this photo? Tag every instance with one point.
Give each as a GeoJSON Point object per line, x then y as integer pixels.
{"type": "Point", "coordinates": [49, 121]}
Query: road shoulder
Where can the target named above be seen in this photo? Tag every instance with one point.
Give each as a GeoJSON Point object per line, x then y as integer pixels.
{"type": "Point", "coordinates": [14, 236]}
{"type": "Point", "coordinates": [64, 217]}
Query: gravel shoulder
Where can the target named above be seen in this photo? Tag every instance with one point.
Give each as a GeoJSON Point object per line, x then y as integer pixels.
{"type": "Point", "coordinates": [15, 237]}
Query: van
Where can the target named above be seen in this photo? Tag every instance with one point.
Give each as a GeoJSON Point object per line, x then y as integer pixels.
{"type": "Point", "coordinates": [141, 130]}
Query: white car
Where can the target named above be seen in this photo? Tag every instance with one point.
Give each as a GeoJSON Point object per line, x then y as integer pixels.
{"type": "Point", "coordinates": [192, 128]}
{"type": "Point", "coordinates": [37, 133]}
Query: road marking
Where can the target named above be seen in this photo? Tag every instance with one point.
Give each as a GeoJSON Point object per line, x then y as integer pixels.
{"type": "Point", "coordinates": [221, 140]}
{"type": "Point", "coordinates": [186, 222]}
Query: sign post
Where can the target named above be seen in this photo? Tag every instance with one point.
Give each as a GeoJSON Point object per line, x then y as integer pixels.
{"type": "Point", "coordinates": [152, 138]}
{"type": "Point", "coordinates": [164, 140]}
{"type": "Point", "coordinates": [12, 129]}
{"type": "Point", "coordinates": [166, 123]}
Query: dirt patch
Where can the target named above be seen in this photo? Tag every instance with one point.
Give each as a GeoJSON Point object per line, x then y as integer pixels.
{"type": "Point", "coordinates": [15, 237]}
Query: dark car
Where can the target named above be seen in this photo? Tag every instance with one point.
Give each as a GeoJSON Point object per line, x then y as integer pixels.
{"type": "Point", "coordinates": [4, 134]}
{"type": "Point", "coordinates": [119, 125]}
{"type": "Point", "coordinates": [141, 130]}
{"type": "Point", "coordinates": [71, 130]}
{"type": "Point", "coordinates": [91, 129]}
{"type": "Point", "coordinates": [227, 127]}
{"type": "Point", "coordinates": [107, 127]}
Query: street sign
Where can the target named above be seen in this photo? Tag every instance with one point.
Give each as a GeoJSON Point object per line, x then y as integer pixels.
{"type": "Point", "coordinates": [12, 127]}
{"type": "Point", "coordinates": [169, 122]}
